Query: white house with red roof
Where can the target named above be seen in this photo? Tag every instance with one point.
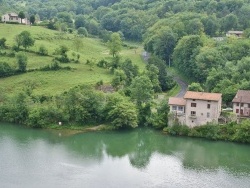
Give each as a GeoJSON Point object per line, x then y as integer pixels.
{"type": "Point", "coordinates": [196, 108]}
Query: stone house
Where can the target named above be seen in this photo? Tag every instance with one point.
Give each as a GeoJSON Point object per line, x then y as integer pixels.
{"type": "Point", "coordinates": [238, 34]}
{"type": "Point", "coordinates": [196, 108]}
{"type": "Point", "coordinates": [13, 17]}
{"type": "Point", "coordinates": [241, 103]}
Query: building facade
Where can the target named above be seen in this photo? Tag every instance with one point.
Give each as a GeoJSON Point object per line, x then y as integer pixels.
{"type": "Point", "coordinates": [13, 17]}
{"type": "Point", "coordinates": [200, 108]}
{"type": "Point", "coordinates": [241, 103]}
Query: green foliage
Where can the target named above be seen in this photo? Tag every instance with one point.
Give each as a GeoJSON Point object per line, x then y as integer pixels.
{"type": "Point", "coordinates": [24, 39]}
{"type": "Point", "coordinates": [115, 44]}
{"type": "Point", "coordinates": [123, 115]}
{"type": "Point", "coordinates": [228, 132]}
{"type": "Point", "coordinates": [62, 51]}
{"type": "Point", "coordinates": [77, 43]}
{"type": "Point", "coordinates": [166, 81]}
{"type": "Point", "coordinates": [32, 19]}
{"type": "Point", "coordinates": [195, 87]}
{"type": "Point", "coordinates": [2, 43]}
{"type": "Point", "coordinates": [43, 50]}
{"type": "Point", "coordinates": [22, 60]}
{"type": "Point", "coordinates": [159, 119]}
{"type": "Point", "coordinates": [141, 90]}
{"type": "Point", "coordinates": [185, 52]}
{"type": "Point", "coordinates": [21, 15]}
{"type": "Point", "coordinates": [6, 69]}
{"type": "Point", "coordinates": [82, 31]}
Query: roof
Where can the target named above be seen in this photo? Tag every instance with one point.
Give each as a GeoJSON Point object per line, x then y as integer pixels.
{"type": "Point", "coordinates": [176, 101]}
{"type": "Point", "coordinates": [235, 32]}
{"type": "Point", "coordinates": [202, 96]}
{"type": "Point", "coordinates": [13, 14]}
{"type": "Point", "coordinates": [242, 96]}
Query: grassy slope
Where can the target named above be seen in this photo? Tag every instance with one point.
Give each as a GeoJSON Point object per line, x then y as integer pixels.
{"type": "Point", "coordinates": [53, 82]}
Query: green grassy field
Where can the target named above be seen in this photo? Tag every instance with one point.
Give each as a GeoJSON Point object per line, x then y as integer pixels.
{"type": "Point", "coordinates": [54, 82]}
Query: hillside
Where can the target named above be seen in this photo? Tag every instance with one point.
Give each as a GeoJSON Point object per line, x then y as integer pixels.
{"type": "Point", "coordinates": [55, 82]}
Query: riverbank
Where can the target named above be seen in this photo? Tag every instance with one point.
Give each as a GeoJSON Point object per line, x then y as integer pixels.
{"type": "Point", "coordinates": [232, 131]}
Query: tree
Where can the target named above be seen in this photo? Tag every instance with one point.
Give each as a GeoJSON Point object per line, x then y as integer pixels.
{"type": "Point", "coordinates": [130, 70]}
{"type": "Point", "coordinates": [21, 15]}
{"type": "Point", "coordinates": [21, 61]}
{"type": "Point", "coordinates": [195, 87]}
{"type": "Point", "coordinates": [115, 44]}
{"type": "Point", "coordinates": [184, 54]}
{"type": "Point", "coordinates": [141, 90]}
{"type": "Point", "coordinates": [80, 21]}
{"type": "Point", "coordinates": [153, 74]}
{"type": "Point", "coordinates": [77, 43]}
{"type": "Point", "coordinates": [32, 19]}
{"type": "Point", "coordinates": [164, 44]}
{"type": "Point", "coordinates": [82, 31]}
{"type": "Point", "coordinates": [119, 79]}
{"type": "Point", "coordinates": [24, 39]}
{"type": "Point", "coordinates": [123, 115]}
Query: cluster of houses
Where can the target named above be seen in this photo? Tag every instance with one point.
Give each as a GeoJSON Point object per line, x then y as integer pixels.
{"type": "Point", "coordinates": [200, 108]}
{"type": "Point", "coordinates": [13, 17]}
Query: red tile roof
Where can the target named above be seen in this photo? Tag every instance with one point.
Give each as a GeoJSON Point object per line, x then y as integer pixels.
{"type": "Point", "coordinates": [202, 96]}
{"type": "Point", "coordinates": [176, 101]}
{"type": "Point", "coordinates": [242, 96]}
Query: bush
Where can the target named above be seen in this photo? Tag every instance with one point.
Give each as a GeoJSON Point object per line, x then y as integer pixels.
{"type": "Point", "coordinates": [21, 61]}
{"type": "Point", "coordinates": [43, 51]}
{"type": "Point", "coordinates": [2, 42]}
{"type": "Point", "coordinates": [6, 69]}
{"type": "Point", "coordinates": [82, 31]}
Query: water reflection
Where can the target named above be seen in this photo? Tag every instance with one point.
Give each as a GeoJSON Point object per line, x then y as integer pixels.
{"type": "Point", "coordinates": [139, 146]}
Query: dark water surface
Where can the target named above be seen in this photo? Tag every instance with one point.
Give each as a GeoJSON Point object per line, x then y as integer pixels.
{"type": "Point", "coordinates": [138, 158]}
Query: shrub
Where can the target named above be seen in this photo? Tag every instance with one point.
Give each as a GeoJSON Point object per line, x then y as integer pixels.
{"type": "Point", "coordinates": [2, 42]}
{"type": "Point", "coordinates": [6, 69]}
{"type": "Point", "coordinates": [42, 50]}
{"type": "Point", "coordinates": [21, 61]}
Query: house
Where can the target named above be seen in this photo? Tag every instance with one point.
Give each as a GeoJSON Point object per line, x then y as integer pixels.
{"type": "Point", "coordinates": [238, 34]}
{"type": "Point", "coordinates": [196, 108]}
{"type": "Point", "coordinates": [13, 17]}
{"type": "Point", "coordinates": [177, 107]}
{"type": "Point", "coordinates": [241, 103]}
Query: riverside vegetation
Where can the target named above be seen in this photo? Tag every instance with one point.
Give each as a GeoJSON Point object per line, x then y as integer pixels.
{"type": "Point", "coordinates": [63, 59]}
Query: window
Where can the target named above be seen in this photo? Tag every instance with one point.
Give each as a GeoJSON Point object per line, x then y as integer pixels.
{"type": "Point", "coordinates": [248, 105]}
{"type": "Point", "coordinates": [237, 104]}
{"type": "Point", "coordinates": [193, 99]}
{"type": "Point", "coordinates": [180, 108]}
{"type": "Point", "coordinates": [193, 104]}
{"type": "Point", "coordinates": [208, 115]}
{"type": "Point", "coordinates": [174, 107]}
{"type": "Point", "coordinates": [193, 113]}
{"type": "Point", "coordinates": [208, 106]}
{"type": "Point", "coordinates": [237, 111]}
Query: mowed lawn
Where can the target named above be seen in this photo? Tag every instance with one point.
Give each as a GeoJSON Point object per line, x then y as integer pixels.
{"type": "Point", "coordinates": [55, 82]}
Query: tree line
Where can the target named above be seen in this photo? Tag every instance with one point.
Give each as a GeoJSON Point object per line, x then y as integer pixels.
{"type": "Point", "coordinates": [137, 19]}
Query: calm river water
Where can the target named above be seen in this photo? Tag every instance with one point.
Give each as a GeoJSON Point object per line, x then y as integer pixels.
{"type": "Point", "coordinates": [138, 158]}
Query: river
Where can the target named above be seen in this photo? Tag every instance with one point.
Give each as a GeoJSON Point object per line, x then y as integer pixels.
{"type": "Point", "coordinates": [137, 158]}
